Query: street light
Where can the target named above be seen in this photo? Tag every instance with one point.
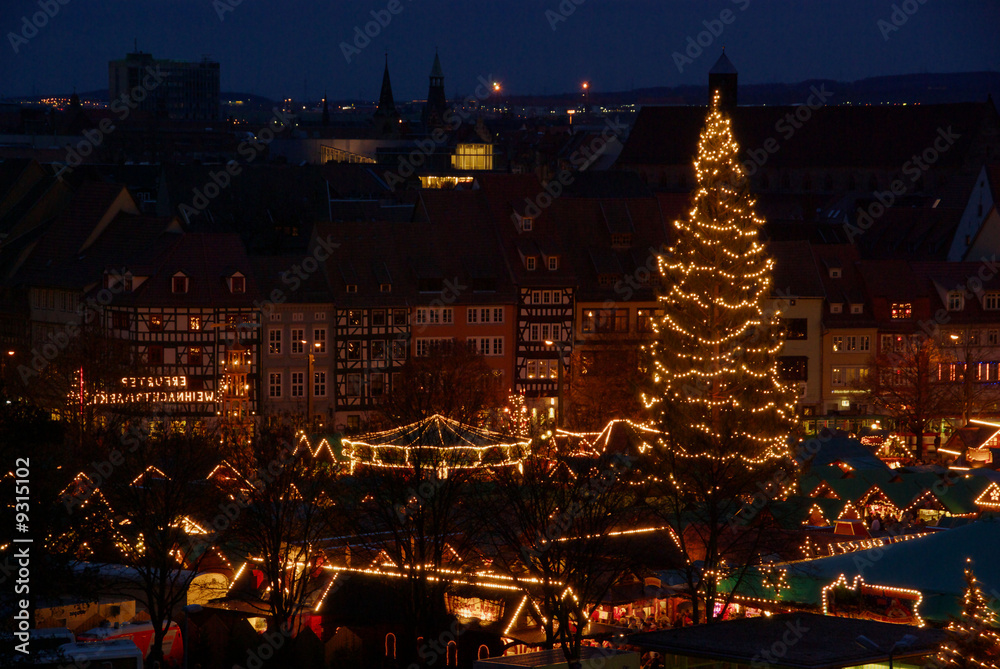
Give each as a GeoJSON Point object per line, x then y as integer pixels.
{"type": "Point", "coordinates": [309, 380]}
{"type": "Point", "coordinates": [563, 347]}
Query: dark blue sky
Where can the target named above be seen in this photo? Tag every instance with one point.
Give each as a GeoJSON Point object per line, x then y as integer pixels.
{"type": "Point", "coordinates": [277, 48]}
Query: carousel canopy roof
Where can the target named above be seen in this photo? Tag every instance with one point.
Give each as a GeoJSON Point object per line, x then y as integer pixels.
{"type": "Point", "coordinates": [436, 441]}
{"type": "Point", "coordinates": [437, 431]}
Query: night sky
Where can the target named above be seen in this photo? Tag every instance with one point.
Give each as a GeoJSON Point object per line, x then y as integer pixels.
{"type": "Point", "coordinates": [287, 48]}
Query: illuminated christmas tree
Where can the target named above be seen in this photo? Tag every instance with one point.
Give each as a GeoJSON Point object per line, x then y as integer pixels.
{"type": "Point", "coordinates": [973, 642]}
{"type": "Point", "coordinates": [715, 390]}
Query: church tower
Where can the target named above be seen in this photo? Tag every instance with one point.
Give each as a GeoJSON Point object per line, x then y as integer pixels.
{"type": "Point", "coordinates": [722, 78]}
{"type": "Point", "coordinates": [437, 103]}
{"type": "Point", "coordinates": [386, 117]}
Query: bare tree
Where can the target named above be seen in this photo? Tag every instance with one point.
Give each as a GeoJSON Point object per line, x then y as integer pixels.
{"type": "Point", "coordinates": [607, 384]}
{"type": "Point", "coordinates": [156, 491]}
{"type": "Point", "coordinates": [552, 533]}
{"type": "Point", "coordinates": [286, 510]}
{"type": "Point", "coordinates": [904, 383]}
{"type": "Point", "coordinates": [451, 380]}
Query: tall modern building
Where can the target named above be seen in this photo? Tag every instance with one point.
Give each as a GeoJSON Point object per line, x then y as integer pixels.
{"type": "Point", "coordinates": [188, 90]}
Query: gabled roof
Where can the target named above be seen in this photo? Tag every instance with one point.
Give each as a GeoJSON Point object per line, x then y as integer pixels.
{"type": "Point", "coordinates": [200, 256]}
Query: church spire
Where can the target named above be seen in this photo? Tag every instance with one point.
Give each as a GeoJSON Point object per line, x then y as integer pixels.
{"type": "Point", "coordinates": [437, 103]}
{"type": "Point", "coordinates": [723, 78]}
{"type": "Point", "coordinates": [386, 104]}
{"type": "Point", "coordinates": [386, 115]}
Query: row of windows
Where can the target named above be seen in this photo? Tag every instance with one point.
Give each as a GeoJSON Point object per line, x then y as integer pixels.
{"type": "Point", "coordinates": [546, 297]}
{"type": "Point", "coordinates": [845, 343]}
{"type": "Point", "coordinates": [44, 298]}
{"type": "Point", "coordinates": [275, 316]}
{"type": "Point", "coordinates": [379, 317]}
{"type": "Point", "coordinates": [354, 349]}
{"type": "Point", "coordinates": [546, 332]}
{"type": "Point", "coordinates": [297, 341]}
{"type": "Point", "coordinates": [435, 315]}
{"type": "Point", "coordinates": [275, 388]}
{"type": "Point", "coordinates": [541, 369]}
{"type": "Point", "coordinates": [122, 320]}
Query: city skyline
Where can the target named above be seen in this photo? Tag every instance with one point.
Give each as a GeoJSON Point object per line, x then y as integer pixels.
{"type": "Point", "coordinates": [529, 46]}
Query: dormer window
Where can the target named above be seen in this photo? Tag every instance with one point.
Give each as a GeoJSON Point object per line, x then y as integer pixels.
{"type": "Point", "coordinates": [529, 263]}
{"type": "Point", "coordinates": [834, 272]}
{"type": "Point", "coordinates": [553, 263]}
{"type": "Point", "coordinates": [352, 288]}
{"type": "Point", "coordinates": [237, 284]}
{"type": "Point", "coordinates": [527, 223]}
{"type": "Point", "coordinates": [836, 308]}
{"type": "Point", "coordinates": [179, 284]}
{"type": "Point", "coordinates": [956, 301]}
{"type": "Point", "coordinates": [127, 282]}
{"type": "Point", "coordinates": [857, 308]}
{"type": "Point", "coordinates": [385, 287]}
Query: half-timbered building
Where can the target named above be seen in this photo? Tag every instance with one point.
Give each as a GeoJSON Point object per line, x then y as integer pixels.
{"type": "Point", "coordinates": [180, 314]}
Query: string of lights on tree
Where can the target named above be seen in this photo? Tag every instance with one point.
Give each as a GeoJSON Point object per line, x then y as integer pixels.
{"type": "Point", "coordinates": [973, 640]}
{"type": "Point", "coordinates": [714, 357]}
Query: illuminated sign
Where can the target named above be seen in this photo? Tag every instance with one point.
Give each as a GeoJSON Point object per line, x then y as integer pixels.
{"type": "Point", "coordinates": [154, 382]}
{"type": "Point", "coordinates": [153, 389]}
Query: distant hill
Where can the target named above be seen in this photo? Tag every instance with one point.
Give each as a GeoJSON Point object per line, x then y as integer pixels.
{"type": "Point", "coordinates": [895, 89]}
{"type": "Point", "coordinates": [908, 88]}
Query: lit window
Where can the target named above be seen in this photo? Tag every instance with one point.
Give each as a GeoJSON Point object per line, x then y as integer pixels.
{"type": "Point", "coordinates": [902, 310]}
{"type": "Point", "coordinates": [354, 347]}
{"type": "Point", "coordinates": [274, 342]}
{"type": "Point", "coordinates": [194, 323]}
{"type": "Point", "coordinates": [194, 356]}
{"type": "Point", "coordinates": [155, 322]}
{"type": "Point", "coordinates": [319, 384]}
{"type": "Point", "coordinates": [378, 349]}
{"type": "Point", "coordinates": [319, 340]}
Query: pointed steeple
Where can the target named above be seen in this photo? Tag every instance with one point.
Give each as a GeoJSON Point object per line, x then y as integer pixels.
{"type": "Point", "coordinates": [437, 103]}
{"type": "Point", "coordinates": [386, 104]}
{"type": "Point", "coordinates": [436, 71]}
{"type": "Point", "coordinates": [386, 116]}
{"type": "Point", "coordinates": [723, 78]}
